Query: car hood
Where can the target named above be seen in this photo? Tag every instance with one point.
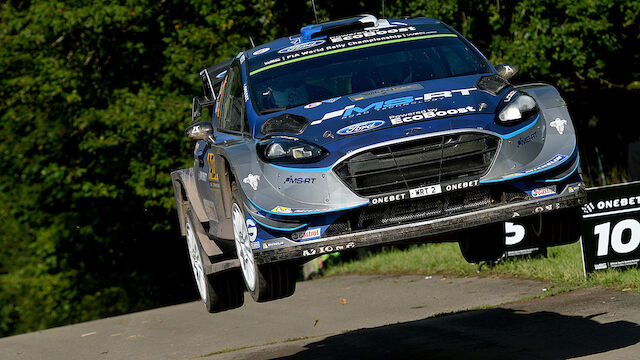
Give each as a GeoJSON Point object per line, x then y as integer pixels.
{"type": "Point", "coordinates": [445, 102]}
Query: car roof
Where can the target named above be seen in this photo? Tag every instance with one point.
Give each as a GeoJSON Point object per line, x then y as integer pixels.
{"type": "Point", "coordinates": [311, 33]}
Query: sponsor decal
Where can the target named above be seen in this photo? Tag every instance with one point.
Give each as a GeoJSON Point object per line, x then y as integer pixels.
{"type": "Point", "coordinates": [211, 160]}
{"type": "Point", "coordinates": [332, 100]}
{"type": "Point", "coordinates": [509, 96]}
{"type": "Point", "coordinates": [272, 244]}
{"type": "Point", "coordinates": [312, 105]}
{"type": "Point", "coordinates": [327, 249]}
{"type": "Point", "coordinates": [425, 191]}
{"type": "Point", "coordinates": [286, 210]}
{"type": "Point", "coordinates": [588, 208]}
{"type": "Point", "coordinates": [281, 210]}
{"type": "Point", "coordinates": [542, 192]}
{"type": "Point", "coordinates": [388, 198]}
{"type": "Point", "coordinates": [353, 110]}
{"type": "Point", "coordinates": [299, 180]}
{"type": "Point", "coordinates": [554, 161]}
{"type": "Point", "coordinates": [255, 245]}
{"type": "Point", "coordinates": [368, 34]}
{"type": "Point", "coordinates": [360, 127]}
{"type": "Point", "coordinates": [559, 125]}
{"type": "Point", "coordinates": [428, 114]}
{"type": "Point", "coordinates": [252, 230]}
{"type": "Point", "coordinates": [246, 92]}
{"type": "Point", "coordinates": [461, 185]}
{"type": "Point", "coordinates": [387, 91]}
{"type": "Point", "coordinates": [301, 46]}
{"type": "Point", "coordinates": [527, 139]}
{"type": "Point", "coordinates": [612, 203]}
{"type": "Point", "coordinates": [202, 176]}
{"type": "Point", "coordinates": [252, 180]}
{"type": "Point", "coordinates": [261, 51]}
{"type": "Point", "coordinates": [295, 39]}
{"type": "Point", "coordinates": [272, 61]}
{"type": "Point", "coordinates": [548, 207]}
{"type": "Point", "coordinates": [309, 234]}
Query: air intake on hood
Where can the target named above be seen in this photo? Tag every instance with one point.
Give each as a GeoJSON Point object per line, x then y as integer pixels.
{"type": "Point", "coordinates": [492, 83]}
{"type": "Point", "coordinates": [284, 123]}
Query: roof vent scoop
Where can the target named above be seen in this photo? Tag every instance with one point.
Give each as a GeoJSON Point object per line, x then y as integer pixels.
{"type": "Point", "coordinates": [343, 26]}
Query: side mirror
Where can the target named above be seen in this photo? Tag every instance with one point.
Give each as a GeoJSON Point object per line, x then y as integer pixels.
{"type": "Point", "coordinates": [197, 103]}
{"type": "Point", "coordinates": [196, 109]}
{"type": "Point", "coordinates": [202, 130]}
{"type": "Point", "coordinates": [506, 71]}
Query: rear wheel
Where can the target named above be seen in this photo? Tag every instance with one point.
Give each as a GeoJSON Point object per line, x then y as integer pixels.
{"type": "Point", "coordinates": [484, 243]}
{"type": "Point", "coordinates": [219, 292]}
{"type": "Point", "coordinates": [265, 282]}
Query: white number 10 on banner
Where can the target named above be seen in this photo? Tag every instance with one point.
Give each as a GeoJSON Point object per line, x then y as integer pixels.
{"type": "Point", "coordinates": [614, 237]}
{"type": "Point", "coordinates": [611, 227]}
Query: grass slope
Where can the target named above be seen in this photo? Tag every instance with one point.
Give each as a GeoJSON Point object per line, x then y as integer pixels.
{"type": "Point", "coordinates": [562, 267]}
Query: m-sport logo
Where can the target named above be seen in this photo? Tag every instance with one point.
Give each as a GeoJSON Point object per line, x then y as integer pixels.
{"type": "Point", "coordinates": [360, 127]}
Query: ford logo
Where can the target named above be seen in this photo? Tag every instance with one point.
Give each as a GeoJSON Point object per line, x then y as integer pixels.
{"type": "Point", "coordinates": [360, 127]}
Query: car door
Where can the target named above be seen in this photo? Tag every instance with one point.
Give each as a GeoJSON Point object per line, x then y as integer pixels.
{"type": "Point", "coordinates": [230, 128]}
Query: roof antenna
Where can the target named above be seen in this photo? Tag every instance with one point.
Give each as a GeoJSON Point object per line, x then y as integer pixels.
{"type": "Point", "coordinates": [313, 2]}
{"type": "Point", "coordinates": [252, 43]}
{"type": "Point", "coordinates": [383, 9]}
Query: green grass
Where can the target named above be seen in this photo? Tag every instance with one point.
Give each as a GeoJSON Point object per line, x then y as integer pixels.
{"type": "Point", "coordinates": [562, 267]}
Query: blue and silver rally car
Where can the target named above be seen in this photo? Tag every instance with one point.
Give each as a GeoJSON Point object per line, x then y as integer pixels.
{"type": "Point", "coordinates": [364, 132]}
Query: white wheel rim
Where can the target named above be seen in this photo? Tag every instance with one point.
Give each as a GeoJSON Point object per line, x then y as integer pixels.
{"type": "Point", "coordinates": [243, 246]}
{"type": "Point", "coordinates": [196, 261]}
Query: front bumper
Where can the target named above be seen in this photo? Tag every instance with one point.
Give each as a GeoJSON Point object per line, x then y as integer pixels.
{"type": "Point", "coordinates": [573, 196]}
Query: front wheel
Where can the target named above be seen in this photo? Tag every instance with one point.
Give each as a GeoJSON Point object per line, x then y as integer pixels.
{"type": "Point", "coordinates": [265, 282]}
{"type": "Point", "coordinates": [484, 243]}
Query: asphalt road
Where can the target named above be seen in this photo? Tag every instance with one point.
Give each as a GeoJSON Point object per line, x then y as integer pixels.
{"type": "Point", "coordinates": [378, 317]}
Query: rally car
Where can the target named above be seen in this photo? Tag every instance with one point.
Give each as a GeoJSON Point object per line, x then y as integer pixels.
{"type": "Point", "coordinates": [363, 132]}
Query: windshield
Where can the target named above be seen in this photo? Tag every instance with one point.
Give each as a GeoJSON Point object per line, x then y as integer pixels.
{"type": "Point", "coordinates": [323, 77]}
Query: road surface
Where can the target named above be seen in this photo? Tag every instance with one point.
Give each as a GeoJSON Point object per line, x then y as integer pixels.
{"type": "Point", "coordinates": [379, 317]}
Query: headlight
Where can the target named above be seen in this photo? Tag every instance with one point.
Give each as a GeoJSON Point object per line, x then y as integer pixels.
{"type": "Point", "coordinates": [522, 107]}
{"type": "Point", "coordinates": [289, 150]}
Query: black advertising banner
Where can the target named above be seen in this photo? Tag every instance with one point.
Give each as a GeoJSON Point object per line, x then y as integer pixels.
{"type": "Point", "coordinates": [521, 240]}
{"type": "Point", "coordinates": [611, 227]}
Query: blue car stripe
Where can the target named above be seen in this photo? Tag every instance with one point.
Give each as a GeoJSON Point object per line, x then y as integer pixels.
{"type": "Point", "coordinates": [521, 130]}
{"type": "Point", "coordinates": [575, 167]}
{"type": "Point", "coordinates": [279, 229]}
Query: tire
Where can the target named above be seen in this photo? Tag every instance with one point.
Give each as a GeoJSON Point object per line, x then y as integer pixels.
{"type": "Point", "coordinates": [562, 228]}
{"type": "Point", "coordinates": [218, 292]}
{"type": "Point", "coordinates": [265, 282]}
{"type": "Point", "coordinates": [484, 243]}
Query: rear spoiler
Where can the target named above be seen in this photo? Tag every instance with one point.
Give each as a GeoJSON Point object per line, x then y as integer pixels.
{"type": "Point", "coordinates": [212, 77]}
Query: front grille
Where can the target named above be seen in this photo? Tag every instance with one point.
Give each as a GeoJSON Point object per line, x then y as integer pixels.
{"type": "Point", "coordinates": [427, 161]}
{"type": "Point", "coordinates": [424, 208]}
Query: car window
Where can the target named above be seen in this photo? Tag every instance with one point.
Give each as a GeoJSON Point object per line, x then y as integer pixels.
{"type": "Point", "coordinates": [325, 77]}
{"type": "Point", "coordinates": [231, 112]}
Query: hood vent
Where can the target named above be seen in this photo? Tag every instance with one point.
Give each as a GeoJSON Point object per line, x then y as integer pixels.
{"type": "Point", "coordinates": [284, 123]}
